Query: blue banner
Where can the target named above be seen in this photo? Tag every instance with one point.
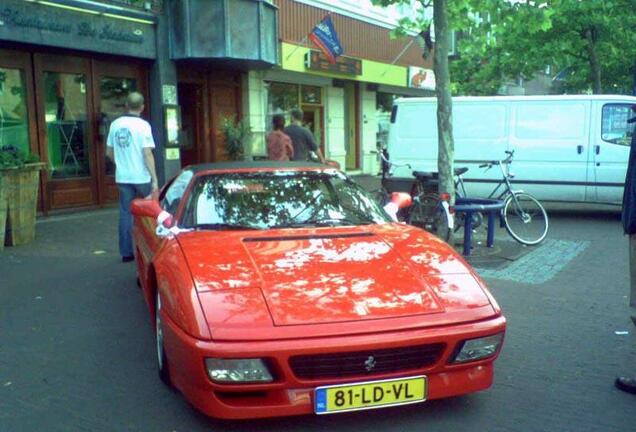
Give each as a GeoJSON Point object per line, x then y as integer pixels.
{"type": "Point", "coordinates": [324, 36]}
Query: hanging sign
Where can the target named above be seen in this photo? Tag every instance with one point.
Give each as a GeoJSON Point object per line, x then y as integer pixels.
{"type": "Point", "coordinates": [421, 78]}
{"type": "Point", "coordinates": [315, 60]}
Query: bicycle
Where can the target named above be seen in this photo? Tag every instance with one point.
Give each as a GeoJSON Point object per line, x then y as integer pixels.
{"type": "Point", "coordinates": [430, 210]}
{"type": "Point", "coordinates": [523, 216]}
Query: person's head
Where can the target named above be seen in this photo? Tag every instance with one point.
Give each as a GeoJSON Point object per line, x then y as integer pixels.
{"type": "Point", "coordinates": [135, 102]}
{"type": "Point", "coordinates": [296, 115]}
{"type": "Point", "coordinates": [279, 122]}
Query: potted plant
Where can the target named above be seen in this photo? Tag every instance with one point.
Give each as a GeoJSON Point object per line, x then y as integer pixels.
{"type": "Point", "coordinates": [237, 136]}
{"type": "Point", "coordinates": [19, 181]}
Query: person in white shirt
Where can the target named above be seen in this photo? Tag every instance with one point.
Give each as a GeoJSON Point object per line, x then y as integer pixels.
{"type": "Point", "coordinates": [129, 146]}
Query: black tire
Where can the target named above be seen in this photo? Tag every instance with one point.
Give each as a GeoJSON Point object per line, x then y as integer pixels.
{"type": "Point", "coordinates": [525, 220]}
{"type": "Point", "coordinates": [478, 220]}
{"type": "Point", "coordinates": [162, 360]}
{"type": "Point", "coordinates": [425, 213]}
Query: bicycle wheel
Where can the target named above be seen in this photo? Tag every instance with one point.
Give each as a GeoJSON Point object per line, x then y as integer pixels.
{"type": "Point", "coordinates": [525, 218]}
{"type": "Point", "coordinates": [426, 213]}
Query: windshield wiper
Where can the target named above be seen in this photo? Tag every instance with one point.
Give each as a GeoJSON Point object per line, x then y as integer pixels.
{"type": "Point", "coordinates": [224, 226]}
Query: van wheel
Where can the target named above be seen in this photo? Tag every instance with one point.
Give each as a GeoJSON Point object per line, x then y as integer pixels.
{"type": "Point", "coordinates": [162, 361]}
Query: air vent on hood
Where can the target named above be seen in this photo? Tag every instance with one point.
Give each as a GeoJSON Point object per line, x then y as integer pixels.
{"type": "Point", "coordinates": [308, 237]}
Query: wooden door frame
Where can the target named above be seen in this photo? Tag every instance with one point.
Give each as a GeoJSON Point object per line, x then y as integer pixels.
{"type": "Point", "coordinates": [229, 80]}
{"type": "Point", "coordinates": [188, 76]}
{"type": "Point", "coordinates": [321, 113]}
{"type": "Point", "coordinates": [44, 62]}
{"type": "Point", "coordinates": [104, 68]}
{"type": "Point", "coordinates": [354, 120]}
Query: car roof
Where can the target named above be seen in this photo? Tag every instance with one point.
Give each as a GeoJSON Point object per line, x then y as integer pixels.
{"type": "Point", "coordinates": [267, 165]}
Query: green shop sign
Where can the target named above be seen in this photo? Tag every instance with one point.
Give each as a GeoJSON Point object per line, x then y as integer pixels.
{"type": "Point", "coordinates": [86, 30]}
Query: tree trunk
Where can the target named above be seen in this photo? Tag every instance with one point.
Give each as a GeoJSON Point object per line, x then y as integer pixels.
{"type": "Point", "coordinates": [595, 65]}
{"type": "Point", "coordinates": [446, 146]}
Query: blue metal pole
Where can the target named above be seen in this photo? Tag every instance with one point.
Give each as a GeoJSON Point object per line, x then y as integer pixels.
{"type": "Point", "coordinates": [491, 228]}
{"type": "Point", "coordinates": [468, 232]}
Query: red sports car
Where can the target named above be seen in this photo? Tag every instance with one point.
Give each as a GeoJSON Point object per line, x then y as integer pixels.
{"type": "Point", "coordinates": [282, 288]}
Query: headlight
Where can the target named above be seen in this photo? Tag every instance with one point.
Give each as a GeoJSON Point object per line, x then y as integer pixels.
{"type": "Point", "coordinates": [238, 370]}
{"type": "Point", "coordinates": [480, 348]}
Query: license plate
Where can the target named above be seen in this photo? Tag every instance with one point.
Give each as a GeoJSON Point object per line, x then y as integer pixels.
{"type": "Point", "coordinates": [370, 394]}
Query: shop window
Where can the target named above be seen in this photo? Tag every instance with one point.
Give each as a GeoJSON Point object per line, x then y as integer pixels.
{"type": "Point", "coordinates": [616, 129]}
{"type": "Point", "coordinates": [65, 114]}
{"type": "Point", "coordinates": [281, 98]}
{"type": "Point", "coordinates": [311, 95]}
{"type": "Point", "coordinates": [14, 121]}
{"type": "Point", "coordinates": [112, 104]}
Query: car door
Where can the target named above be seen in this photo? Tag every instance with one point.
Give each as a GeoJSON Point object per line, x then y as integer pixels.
{"type": "Point", "coordinates": [610, 150]}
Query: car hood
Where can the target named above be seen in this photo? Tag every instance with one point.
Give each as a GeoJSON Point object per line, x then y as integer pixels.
{"type": "Point", "coordinates": [321, 276]}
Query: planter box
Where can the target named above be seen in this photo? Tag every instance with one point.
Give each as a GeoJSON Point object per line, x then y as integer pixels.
{"type": "Point", "coordinates": [18, 203]}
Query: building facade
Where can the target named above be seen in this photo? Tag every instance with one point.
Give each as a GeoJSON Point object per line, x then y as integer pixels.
{"type": "Point", "coordinates": [347, 105]}
{"type": "Point", "coordinates": [66, 67]}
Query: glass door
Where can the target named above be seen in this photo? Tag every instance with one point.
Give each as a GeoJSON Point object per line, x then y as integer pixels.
{"type": "Point", "coordinates": [63, 87]}
{"type": "Point", "coordinates": [112, 84]}
{"type": "Point", "coordinates": [17, 128]}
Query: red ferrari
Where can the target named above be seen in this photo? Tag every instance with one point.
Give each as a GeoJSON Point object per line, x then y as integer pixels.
{"type": "Point", "coordinates": [280, 289]}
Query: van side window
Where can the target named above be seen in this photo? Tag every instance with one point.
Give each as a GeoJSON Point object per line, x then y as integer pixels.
{"type": "Point", "coordinates": [615, 128]}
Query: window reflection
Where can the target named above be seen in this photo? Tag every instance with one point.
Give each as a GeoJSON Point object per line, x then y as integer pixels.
{"type": "Point", "coordinates": [281, 199]}
{"type": "Point", "coordinates": [113, 92]}
{"type": "Point", "coordinates": [65, 114]}
{"type": "Point", "coordinates": [14, 121]}
{"type": "Point", "coordinates": [616, 129]}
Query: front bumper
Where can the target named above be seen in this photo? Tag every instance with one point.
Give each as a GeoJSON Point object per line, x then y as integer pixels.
{"type": "Point", "coordinates": [289, 395]}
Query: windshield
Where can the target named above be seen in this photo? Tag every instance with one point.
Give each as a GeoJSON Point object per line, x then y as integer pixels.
{"type": "Point", "coordinates": [281, 199]}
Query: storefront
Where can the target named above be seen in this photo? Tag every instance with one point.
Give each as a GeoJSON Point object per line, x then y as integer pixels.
{"type": "Point", "coordinates": [343, 107]}
{"type": "Point", "coordinates": [67, 66]}
{"type": "Point", "coordinates": [339, 101]}
{"type": "Point", "coordinates": [61, 85]}
{"type": "Point", "coordinates": [214, 45]}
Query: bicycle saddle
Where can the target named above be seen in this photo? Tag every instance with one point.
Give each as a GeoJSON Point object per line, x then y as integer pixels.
{"type": "Point", "coordinates": [460, 171]}
{"type": "Point", "coordinates": [424, 175]}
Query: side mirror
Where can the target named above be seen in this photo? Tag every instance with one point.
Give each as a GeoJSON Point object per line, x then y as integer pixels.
{"type": "Point", "coordinates": [151, 208]}
{"type": "Point", "coordinates": [399, 200]}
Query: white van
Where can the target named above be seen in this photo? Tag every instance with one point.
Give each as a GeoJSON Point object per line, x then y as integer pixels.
{"type": "Point", "coordinates": [567, 148]}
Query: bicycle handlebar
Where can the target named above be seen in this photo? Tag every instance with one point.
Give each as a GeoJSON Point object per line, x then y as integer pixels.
{"type": "Point", "coordinates": [407, 165]}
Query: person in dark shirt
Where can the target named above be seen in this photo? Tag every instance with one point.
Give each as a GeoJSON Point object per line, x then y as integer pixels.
{"type": "Point", "coordinates": [628, 384]}
{"type": "Point", "coordinates": [302, 138]}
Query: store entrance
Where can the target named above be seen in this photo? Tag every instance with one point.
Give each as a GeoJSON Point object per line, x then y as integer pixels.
{"type": "Point", "coordinates": [312, 119]}
{"type": "Point", "coordinates": [60, 107]}
{"type": "Point", "coordinates": [206, 97]}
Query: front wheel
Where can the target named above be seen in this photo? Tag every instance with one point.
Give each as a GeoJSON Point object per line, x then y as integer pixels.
{"type": "Point", "coordinates": [162, 361]}
{"type": "Point", "coordinates": [525, 218]}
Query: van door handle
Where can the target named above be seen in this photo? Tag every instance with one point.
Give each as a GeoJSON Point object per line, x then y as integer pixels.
{"type": "Point", "coordinates": [597, 149]}
{"type": "Point", "coordinates": [579, 149]}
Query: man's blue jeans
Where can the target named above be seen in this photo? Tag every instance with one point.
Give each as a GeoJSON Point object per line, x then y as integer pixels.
{"type": "Point", "coordinates": [127, 193]}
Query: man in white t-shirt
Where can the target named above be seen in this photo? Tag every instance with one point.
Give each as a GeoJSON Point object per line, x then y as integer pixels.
{"type": "Point", "coordinates": [130, 146]}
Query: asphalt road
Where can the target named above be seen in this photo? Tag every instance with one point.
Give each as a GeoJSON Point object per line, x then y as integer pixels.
{"type": "Point", "coordinates": [77, 348]}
